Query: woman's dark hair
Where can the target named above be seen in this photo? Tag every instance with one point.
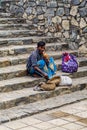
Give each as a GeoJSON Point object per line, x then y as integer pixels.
{"type": "Point", "coordinates": [41, 43]}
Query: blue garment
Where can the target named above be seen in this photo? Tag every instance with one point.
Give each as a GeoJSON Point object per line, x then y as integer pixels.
{"type": "Point", "coordinates": [52, 65]}
{"type": "Point", "coordinates": [49, 68]}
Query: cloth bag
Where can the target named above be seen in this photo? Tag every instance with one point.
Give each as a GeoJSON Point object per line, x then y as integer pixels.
{"type": "Point", "coordinates": [65, 80]}
{"type": "Point", "coordinates": [69, 63]}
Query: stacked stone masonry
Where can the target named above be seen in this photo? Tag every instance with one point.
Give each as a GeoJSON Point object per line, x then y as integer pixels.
{"type": "Point", "coordinates": [65, 19]}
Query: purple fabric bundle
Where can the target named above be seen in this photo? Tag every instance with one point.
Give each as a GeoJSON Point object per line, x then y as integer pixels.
{"type": "Point", "coordinates": [71, 65]}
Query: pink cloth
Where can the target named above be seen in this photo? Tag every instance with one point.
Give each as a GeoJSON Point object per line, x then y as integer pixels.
{"type": "Point", "coordinates": [67, 57]}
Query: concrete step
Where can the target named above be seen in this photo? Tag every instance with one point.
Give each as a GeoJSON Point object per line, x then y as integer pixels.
{"type": "Point", "coordinates": [21, 59]}
{"type": "Point", "coordinates": [20, 33]}
{"type": "Point", "coordinates": [17, 26]}
{"type": "Point", "coordinates": [13, 78]}
{"type": "Point", "coordinates": [26, 49]}
{"type": "Point", "coordinates": [27, 95]}
{"type": "Point", "coordinates": [27, 40]}
{"type": "Point", "coordinates": [21, 111]}
{"type": "Point", "coordinates": [12, 20]}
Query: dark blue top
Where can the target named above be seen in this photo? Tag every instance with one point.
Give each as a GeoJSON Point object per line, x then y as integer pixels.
{"type": "Point", "coordinates": [33, 58]}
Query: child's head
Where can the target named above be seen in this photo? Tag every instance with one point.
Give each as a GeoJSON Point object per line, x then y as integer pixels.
{"type": "Point", "coordinates": [45, 56]}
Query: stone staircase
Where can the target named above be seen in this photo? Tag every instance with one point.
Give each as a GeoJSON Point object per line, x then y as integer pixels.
{"type": "Point", "coordinates": [17, 98]}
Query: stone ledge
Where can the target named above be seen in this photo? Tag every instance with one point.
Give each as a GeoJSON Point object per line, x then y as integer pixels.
{"type": "Point", "coordinates": [20, 33]}
{"type": "Point", "coordinates": [21, 59]}
{"type": "Point", "coordinates": [20, 70]}
{"type": "Point", "coordinates": [27, 95]}
{"type": "Point", "coordinates": [40, 106]}
{"type": "Point", "coordinates": [14, 50]}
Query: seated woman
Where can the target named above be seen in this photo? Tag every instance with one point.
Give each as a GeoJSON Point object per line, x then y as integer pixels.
{"type": "Point", "coordinates": [39, 64]}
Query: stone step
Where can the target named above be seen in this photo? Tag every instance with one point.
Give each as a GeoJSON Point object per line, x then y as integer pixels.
{"type": "Point", "coordinates": [4, 15]}
{"type": "Point", "coordinates": [27, 95]}
{"type": "Point", "coordinates": [12, 20]}
{"type": "Point", "coordinates": [12, 71]}
{"type": "Point", "coordinates": [17, 83]}
{"type": "Point", "coordinates": [26, 49]}
{"type": "Point", "coordinates": [20, 33]}
{"type": "Point", "coordinates": [13, 60]}
{"type": "Point", "coordinates": [21, 111]}
{"type": "Point", "coordinates": [27, 40]}
{"type": "Point", "coordinates": [82, 71]}
{"type": "Point", "coordinates": [17, 26]}
{"type": "Point", "coordinates": [21, 59]}
{"type": "Point", "coordinates": [20, 70]}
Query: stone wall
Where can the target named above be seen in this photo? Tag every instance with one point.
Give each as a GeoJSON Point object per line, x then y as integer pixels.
{"type": "Point", "coordinates": [5, 5]}
{"type": "Point", "coordinates": [65, 19]}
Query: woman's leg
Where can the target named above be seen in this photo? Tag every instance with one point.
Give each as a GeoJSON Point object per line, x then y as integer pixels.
{"type": "Point", "coordinates": [40, 64]}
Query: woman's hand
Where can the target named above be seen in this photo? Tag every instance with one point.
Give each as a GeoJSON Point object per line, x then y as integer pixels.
{"type": "Point", "coordinates": [46, 76]}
